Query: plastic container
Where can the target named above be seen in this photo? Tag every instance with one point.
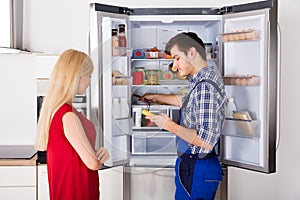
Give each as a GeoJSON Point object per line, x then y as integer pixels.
{"type": "Point", "coordinates": [152, 77]}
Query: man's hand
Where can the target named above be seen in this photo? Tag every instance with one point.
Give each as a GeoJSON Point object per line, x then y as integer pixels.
{"type": "Point", "coordinates": [162, 120]}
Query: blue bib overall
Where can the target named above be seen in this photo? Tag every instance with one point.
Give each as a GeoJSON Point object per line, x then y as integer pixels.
{"type": "Point", "coordinates": [197, 176]}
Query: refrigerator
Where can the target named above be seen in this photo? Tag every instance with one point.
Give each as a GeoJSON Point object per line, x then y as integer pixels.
{"type": "Point", "coordinates": [241, 41]}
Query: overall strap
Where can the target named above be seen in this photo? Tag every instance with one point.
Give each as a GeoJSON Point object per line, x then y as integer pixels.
{"type": "Point", "coordinates": [188, 96]}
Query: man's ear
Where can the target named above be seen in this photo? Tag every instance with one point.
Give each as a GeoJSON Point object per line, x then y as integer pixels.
{"type": "Point", "coordinates": [192, 52]}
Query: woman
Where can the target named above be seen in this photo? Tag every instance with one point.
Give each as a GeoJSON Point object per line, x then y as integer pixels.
{"type": "Point", "coordinates": [67, 135]}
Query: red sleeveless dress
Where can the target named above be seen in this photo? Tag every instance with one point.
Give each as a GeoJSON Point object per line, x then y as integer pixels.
{"type": "Point", "coordinates": [68, 176]}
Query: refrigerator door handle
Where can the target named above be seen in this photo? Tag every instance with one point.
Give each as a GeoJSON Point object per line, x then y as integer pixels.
{"type": "Point", "coordinates": [278, 84]}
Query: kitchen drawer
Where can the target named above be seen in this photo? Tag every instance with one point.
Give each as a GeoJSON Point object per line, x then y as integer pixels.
{"type": "Point", "coordinates": [17, 193]}
{"type": "Point", "coordinates": [17, 176]}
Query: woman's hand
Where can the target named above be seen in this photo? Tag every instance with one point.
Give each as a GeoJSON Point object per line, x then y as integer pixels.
{"type": "Point", "coordinates": [102, 155]}
{"type": "Point", "coordinates": [162, 120]}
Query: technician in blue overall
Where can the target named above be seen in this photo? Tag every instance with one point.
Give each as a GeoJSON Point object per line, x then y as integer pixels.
{"type": "Point", "coordinates": [198, 169]}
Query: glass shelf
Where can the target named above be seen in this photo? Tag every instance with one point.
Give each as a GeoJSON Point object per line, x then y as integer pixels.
{"type": "Point", "coordinates": [151, 59]}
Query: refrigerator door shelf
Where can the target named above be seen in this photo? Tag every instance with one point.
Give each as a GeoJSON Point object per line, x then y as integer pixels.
{"type": "Point", "coordinates": [242, 128]}
{"type": "Point", "coordinates": [241, 36]}
{"type": "Point", "coordinates": [247, 80]}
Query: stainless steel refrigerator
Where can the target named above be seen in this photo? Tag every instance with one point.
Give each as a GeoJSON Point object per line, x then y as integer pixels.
{"type": "Point", "coordinates": [241, 42]}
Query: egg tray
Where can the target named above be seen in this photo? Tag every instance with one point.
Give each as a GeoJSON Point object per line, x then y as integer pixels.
{"type": "Point", "coordinates": [242, 80]}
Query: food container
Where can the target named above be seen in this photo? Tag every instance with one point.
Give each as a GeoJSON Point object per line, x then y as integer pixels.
{"type": "Point", "coordinates": [138, 54]}
{"type": "Point", "coordinates": [152, 77]}
{"type": "Point", "coordinates": [167, 75]}
{"type": "Point", "coordinates": [138, 78]}
{"type": "Point", "coordinates": [154, 53]}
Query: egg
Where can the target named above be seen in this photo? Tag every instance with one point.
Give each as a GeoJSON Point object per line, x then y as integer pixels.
{"type": "Point", "coordinates": [237, 81]}
{"type": "Point", "coordinates": [225, 38]}
{"type": "Point", "coordinates": [249, 34]}
{"type": "Point", "coordinates": [242, 35]}
{"type": "Point", "coordinates": [236, 36]}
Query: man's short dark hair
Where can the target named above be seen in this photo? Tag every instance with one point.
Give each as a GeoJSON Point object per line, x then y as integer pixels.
{"type": "Point", "coordinates": [185, 41]}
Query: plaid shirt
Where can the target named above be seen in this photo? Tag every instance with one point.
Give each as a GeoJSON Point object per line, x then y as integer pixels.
{"type": "Point", "coordinates": [205, 109]}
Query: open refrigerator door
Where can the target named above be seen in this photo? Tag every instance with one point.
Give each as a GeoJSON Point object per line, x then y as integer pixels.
{"type": "Point", "coordinates": [248, 139]}
{"type": "Point", "coordinates": [110, 87]}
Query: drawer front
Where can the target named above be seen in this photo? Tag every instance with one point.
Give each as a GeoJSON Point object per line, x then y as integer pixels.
{"type": "Point", "coordinates": [153, 143]}
{"type": "Point", "coordinates": [17, 176]}
{"type": "Point", "coordinates": [17, 193]}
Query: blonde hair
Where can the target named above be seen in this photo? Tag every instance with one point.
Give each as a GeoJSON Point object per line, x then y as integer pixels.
{"type": "Point", "coordinates": [70, 66]}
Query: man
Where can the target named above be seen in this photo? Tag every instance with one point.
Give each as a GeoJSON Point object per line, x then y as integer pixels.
{"type": "Point", "coordinates": [198, 170]}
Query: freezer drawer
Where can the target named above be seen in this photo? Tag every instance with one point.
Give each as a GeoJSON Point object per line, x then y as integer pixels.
{"type": "Point", "coordinates": [153, 143]}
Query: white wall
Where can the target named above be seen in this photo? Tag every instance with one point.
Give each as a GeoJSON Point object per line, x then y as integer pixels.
{"type": "Point", "coordinates": [53, 26]}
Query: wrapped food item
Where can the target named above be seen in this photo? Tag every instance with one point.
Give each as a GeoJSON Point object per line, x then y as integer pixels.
{"type": "Point", "coordinates": [118, 78]}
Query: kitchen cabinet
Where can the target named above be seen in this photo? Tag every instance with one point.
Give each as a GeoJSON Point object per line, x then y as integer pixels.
{"type": "Point", "coordinates": [44, 66]}
{"type": "Point", "coordinates": [42, 183]}
{"type": "Point", "coordinates": [21, 75]}
{"type": "Point", "coordinates": [18, 99]}
{"type": "Point", "coordinates": [18, 182]}
{"type": "Point", "coordinates": [111, 183]}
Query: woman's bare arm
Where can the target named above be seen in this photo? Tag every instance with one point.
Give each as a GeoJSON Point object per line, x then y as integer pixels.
{"type": "Point", "coordinates": [75, 134]}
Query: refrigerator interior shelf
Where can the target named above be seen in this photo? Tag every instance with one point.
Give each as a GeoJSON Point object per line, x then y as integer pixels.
{"type": "Point", "coordinates": [146, 59]}
{"type": "Point", "coordinates": [161, 85]}
{"type": "Point", "coordinates": [239, 36]}
{"type": "Point", "coordinates": [242, 128]}
{"type": "Point", "coordinates": [248, 80]}
{"type": "Point", "coordinates": [147, 128]}
{"type": "Point", "coordinates": [167, 83]}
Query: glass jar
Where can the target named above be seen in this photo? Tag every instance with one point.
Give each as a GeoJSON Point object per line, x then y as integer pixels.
{"type": "Point", "coordinates": [153, 77]}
